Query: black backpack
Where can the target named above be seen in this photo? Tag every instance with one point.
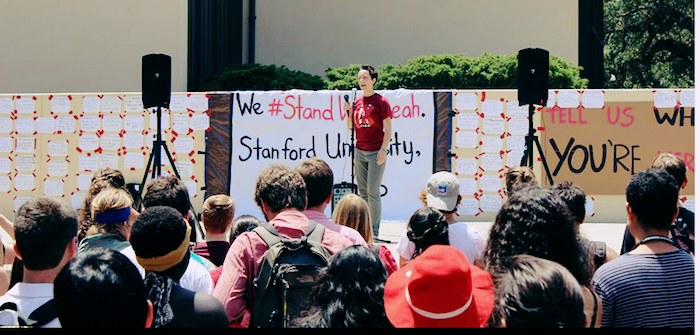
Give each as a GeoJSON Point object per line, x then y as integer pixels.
{"type": "Point", "coordinates": [39, 317]}
{"type": "Point", "coordinates": [287, 275]}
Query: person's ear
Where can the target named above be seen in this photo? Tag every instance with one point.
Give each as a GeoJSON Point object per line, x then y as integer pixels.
{"type": "Point", "coordinates": [149, 314]}
{"type": "Point", "coordinates": [17, 254]}
{"type": "Point", "coordinates": [685, 183]}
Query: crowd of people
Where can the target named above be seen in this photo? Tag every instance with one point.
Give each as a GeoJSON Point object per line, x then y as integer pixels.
{"type": "Point", "coordinates": [111, 264]}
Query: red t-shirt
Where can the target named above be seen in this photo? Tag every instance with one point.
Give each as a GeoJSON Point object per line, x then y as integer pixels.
{"type": "Point", "coordinates": [370, 113]}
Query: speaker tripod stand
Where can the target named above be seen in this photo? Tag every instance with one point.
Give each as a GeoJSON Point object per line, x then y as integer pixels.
{"type": "Point", "coordinates": [530, 140]}
{"type": "Point", "coordinates": [154, 166]}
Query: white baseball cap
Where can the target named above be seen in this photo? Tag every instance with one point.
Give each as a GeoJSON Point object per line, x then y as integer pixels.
{"type": "Point", "coordinates": [443, 191]}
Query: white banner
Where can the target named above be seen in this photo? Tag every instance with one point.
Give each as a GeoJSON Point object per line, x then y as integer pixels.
{"type": "Point", "coordinates": [271, 127]}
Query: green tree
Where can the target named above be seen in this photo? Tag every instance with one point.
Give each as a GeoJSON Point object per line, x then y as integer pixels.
{"type": "Point", "coordinates": [649, 43]}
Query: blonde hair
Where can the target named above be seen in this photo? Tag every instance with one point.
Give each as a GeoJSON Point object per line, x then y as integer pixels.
{"type": "Point", "coordinates": [353, 211]}
{"type": "Point", "coordinates": [108, 199]}
{"type": "Point", "coordinates": [218, 212]}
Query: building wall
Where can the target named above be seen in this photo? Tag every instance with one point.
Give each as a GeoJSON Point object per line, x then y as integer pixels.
{"type": "Point", "coordinates": [88, 45]}
{"type": "Point", "coordinates": [312, 35]}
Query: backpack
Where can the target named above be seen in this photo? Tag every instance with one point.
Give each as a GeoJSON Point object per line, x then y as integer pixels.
{"type": "Point", "coordinates": [287, 275]}
{"type": "Point", "coordinates": [10, 318]}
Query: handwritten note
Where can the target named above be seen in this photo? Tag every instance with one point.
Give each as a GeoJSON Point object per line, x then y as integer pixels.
{"type": "Point", "coordinates": [468, 206]}
{"type": "Point", "coordinates": [133, 141]}
{"type": "Point", "coordinates": [492, 107]}
{"type": "Point", "coordinates": [494, 125]}
{"type": "Point", "coordinates": [45, 125]}
{"type": "Point", "coordinates": [112, 123]}
{"type": "Point", "coordinates": [514, 110]}
{"type": "Point", "coordinates": [65, 124]}
{"type": "Point", "coordinates": [19, 201]}
{"type": "Point", "coordinates": [25, 145]}
{"type": "Point", "coordinates": [91, 104]}
{"type": "Point", "coordinates": [88, 143]}
{"type": "Point", "coordinates": [25, 105]}
{"type": "Point", "coordinates": [111, 103]}
{"type": "Point", "coordinates": [6, 106]}
{"type": "Point", "coordinates": [6, 145]}
{"type": "Point", "coordinates": [58, 148]}
{"type": "Point", "coordinates": [593, 99]}
{"type": "Point", "coordinates": [490, 183]}
{"type": "Point", "coordinates": [87, 163]}
{"type": "Point", "coordinates": [183, 145]}
{"type": "Point", "coordinates": [464, 139]}
{"type": "Point", "coordinates": [179, 103]}
{"type": "Point", "coordinates": [77, 200]}
{"type": "Point", "coordinates": [133, 123]}
{"type": "Point", "coordinates": [568, 99]}
{"type": "Point", "coordinates": [687, 97]}
{"type": "Point", "coordinates": [26, 163]}
{"type": "Point", "coordinates": [664, 99]}
{"type": "Point", "coordinates": [84, 181]}
{"type": "Point", "coordinates": [491, 162]}
{"type": "Point", "coordinates": [53, 187]}
{"type": "Point", "coordinates": [24, 182]}
{"type": "Point", "coordinates": [181, 123]}
{"type": "Point", "coordinates": [5, 166]}
{"type": "Point", "coordinates": [185, 168]}
{"type": "Point", "coordinates": [467, 121]}
{"type": "Point", "coordinates": [466, 101]}
{"type": "Point", "coordinates": [491, 203]}
{"type": "Point", "coordinates": [5, 184]}
{"type": "Point", "coordinates": [60, 105]}
{"type": "Point", "coordinates": [198, 103]}
{"type": "Point", "coordinates": [110, 142]}
{"type": "Point", "coordinates": [133, 103]}
{"type": "Point", "coordinates": [6, 125]}
{"type": "Point", "coordinates": [134, 160]}
{"type": "Point", "coordinates": [466, 166]}
{"type": "Point", "coordinates": [199, 122]}
{"type": "Point", "coordinates": [25, 125]}
{"type": "Point", "coordinates": [90, 123]}
{"type": "Point", "coordinates": [514, 158]}
{"type": "Point", "coordinates": [519, 126]}
{"type": "Point", "coordinates": [467, 186]}
{"type": "Point", "coordinates": [551, 98]}
{"type": "Point", "coordinates": [109, 160]}
{"type": "Point", "coordinates": [491, 144]}
{"type": "Point", "coordinates": [57, 168]}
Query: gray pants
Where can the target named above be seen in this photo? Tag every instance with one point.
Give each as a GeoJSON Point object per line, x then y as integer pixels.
{"type": "Point", "coordinates": [369, 181]}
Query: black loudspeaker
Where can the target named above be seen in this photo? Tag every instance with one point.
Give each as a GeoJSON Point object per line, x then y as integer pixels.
{"type": "Point", "coordinates": [155, 80]}
{"type": "Point", "coordinates": [339, 190]}
{"type": "Point", "coordinates": [533, 76]}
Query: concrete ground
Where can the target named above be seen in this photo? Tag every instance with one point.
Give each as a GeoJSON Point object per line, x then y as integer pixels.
{"type": "Point", "coordinates": [610, 233]}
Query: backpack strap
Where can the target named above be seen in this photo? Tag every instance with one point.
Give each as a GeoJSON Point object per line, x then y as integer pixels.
{"type": "Point", "coordinates": [314, 232]}
{"type": "Point", "coordinates": [43, 315]}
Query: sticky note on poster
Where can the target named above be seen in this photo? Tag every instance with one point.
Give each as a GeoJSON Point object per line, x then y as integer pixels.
{"type": "Point", "coordinates": [7, 106]}
{"type": "Point", "coordinates": [492, 107]}
{"type": "Point", "coordinates": [25, 105]}
{"type": "Point", "coordinates": [65, 124]}
{"type": "Point", "coordinates": [494, 125]}
{"type": "Point", "coordinates": [466, 139]}
{"type": "Point", "coordinates": [58, 148]}
{"type": "Point", "coordinates": [60, 104]}
{"type": "Point", "coordinates": [26, 145]}
{"type": "Point", "coordinates": [491, 162]}
{"type": "Point", "coordinates": [6, 145]}
{"type": "Point", "coordinates": [25, 163]}
{"type": "Point", "coordinates": [468, 206]}
{"type": "Point", "coordinates": [466, 166]}
{"type": "Point", "coordinates": [57, 168]}
{"type": "Point", "coordinates": [466, 101]}
{"type": "Point", "coordinates": [5, 184]}
{"type": "Point", "coordinates": [490, 203]}
{"type": "Point", "coordinates": [133, 103]}
{"type": "Point", "coordinates": [490, 183]}
{"type": "Point", "coordinates": [46, 125]}
{"type": "Point", "coordinates": [19, 201]}
{"type": "Point", "coordinates": [199, 122]}
{"type": "Point", "coordinates": [665, 98]}
{"type": "Point", "coordinates": [24, 182]}
{"type": "Point", "coordinates": [198, 103]}
{"type": "Point", "coordinates": [593, 99]}
{"type": "Point", "coordinates": [54, 187]}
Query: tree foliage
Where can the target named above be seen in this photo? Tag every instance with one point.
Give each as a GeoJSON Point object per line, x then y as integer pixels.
{"type": "Point", "coordinates": [456, 71]}
{"type": "Point", "coordinates": [649, 43]}
{"type": "Point", "coordinates": [262, 77]}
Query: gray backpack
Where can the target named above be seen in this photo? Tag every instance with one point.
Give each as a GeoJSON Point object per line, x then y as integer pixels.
{"type": "Point", "coordinates": [287, 275]}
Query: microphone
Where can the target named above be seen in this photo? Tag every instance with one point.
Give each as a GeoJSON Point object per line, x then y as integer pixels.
{"type": "Point", "coordinates": [354, 94]}
{"type": "Point", "coordinates": [346, 98]}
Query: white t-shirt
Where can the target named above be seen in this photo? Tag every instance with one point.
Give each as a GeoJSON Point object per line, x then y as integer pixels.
{"type": "Point", "coordinates": [27, 297]}
{"type": "Point", "coordinates": [461, 235]}
{"type": "Point", "coordinates": [196, 277]}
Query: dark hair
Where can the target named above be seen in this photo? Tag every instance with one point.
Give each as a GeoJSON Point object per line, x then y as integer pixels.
{"type": "Point", "coordinates": [100, 288]}
{"type": "Point", "coordinates": [534, 221]}
{"type": "Point", "coordinates": [280, 187]}
{"type": "Point", "coordinates": [157, 231]}
{"type": "Point", "coordinates": [372, 72]}
{"type": "Point", "coordinates": [531, 291]}
{"type": "Point", "coordinates": [518, 177]}
{"type": "Point", "coordinates": [653, 196]}
{"type": "Point", "coordinates": [318, 177]}
{"type": "Point", "coordinates": [672, 164]}
{"type": "Point", "coordinates": [574, 198]}
{"type": "Point", "coordinates": [349, 292]}
{"type": "Point", "coordinates": [44, 227]}
{"type": "Point", "coordinates": [167, 191]}
{"type": "Point", "coordinates": [103, 178]}
{"type": "Point", "coordinates": [426, 227]}
{"type": "Point", "coordinates": [243, 224]}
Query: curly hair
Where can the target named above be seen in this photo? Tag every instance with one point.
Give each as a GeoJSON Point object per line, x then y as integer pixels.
{"type": "Point", "coordinates": [426, 227]}
{"type": "Point", "coordinates": [518, 177]}
{"type": "Point", "coordinates": [280, 187]}
{"type": "Point", "coordinates": [531, 291]}
{"type": "Point", "coordinates": [534, 221]}
{"type": "Point", "coordinates": [574, 197]}
{"type": "Point", "coordinates": [349, 292]}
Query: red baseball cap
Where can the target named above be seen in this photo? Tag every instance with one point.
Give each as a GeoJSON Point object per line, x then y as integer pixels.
{"type": "Point", "coordinates": [439, 288]}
